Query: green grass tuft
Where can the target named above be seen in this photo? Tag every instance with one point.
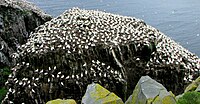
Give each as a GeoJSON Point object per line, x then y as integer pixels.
{"type": "Point", "coordinates": [190, 98]}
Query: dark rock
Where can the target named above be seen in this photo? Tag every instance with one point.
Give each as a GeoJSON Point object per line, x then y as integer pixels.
{"type": "Point", "coordinates": [17, 19]}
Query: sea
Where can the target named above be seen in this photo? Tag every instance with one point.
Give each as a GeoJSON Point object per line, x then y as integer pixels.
{"type": "Point", "coordinates": [178, 19]}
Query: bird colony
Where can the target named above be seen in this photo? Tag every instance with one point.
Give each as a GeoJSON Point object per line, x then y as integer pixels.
{"type": "Point", "coordinates": [80, 47]}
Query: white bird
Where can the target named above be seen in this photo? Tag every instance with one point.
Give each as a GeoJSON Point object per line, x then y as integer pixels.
{"type": "Point", "coordinates": [67, 77]}
{"type": "Point", "coordinates": [41, 71]}
{"type": "Point", "coordinates": [36, 70]}
{"type": "Point", "coordinates": [48, 80]}
{"type": "Point", "coordinates": [108, 67]}
{"type": "Point", "coordinates": [35, 84]}
{"type": "Point", "coordinates": [62, 83]}
{"type": "Point", "coordinates": [86, 72]}
{"type": "Point", "coordinates": [104, 75]}
{"type": "Point", "coordinates": [84, 64]}
{"type": "Point", "coordinates": [10, 90]}
{"type": "Point", "coordinates": [62, 76]}
{"type": "Point", "coordinates": [33, 90]}
{"type": "Point", "coordinates": [59, 73]}
{"type": "Point", "coordinates": [98, 62]}
{"type": "Point", "coordinates": [20, 83]}
{"type": "Point", "coordinates": [81, 74]}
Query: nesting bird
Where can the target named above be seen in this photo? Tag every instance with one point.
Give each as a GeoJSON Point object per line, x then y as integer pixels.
{"type": "Point", "coordinates": [84, 46]}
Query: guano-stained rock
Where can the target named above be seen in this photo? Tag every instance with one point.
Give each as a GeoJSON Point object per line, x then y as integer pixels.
{"type": "Point", "coordinates": [80, 47]}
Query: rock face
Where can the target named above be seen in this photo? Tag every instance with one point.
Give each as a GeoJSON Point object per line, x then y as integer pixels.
{"type": "Point", "coordinates": [79, 47]}
{"type": "Point", "coordinates": [96, 94]}
{"type": "Point", "coordinates": [148, 91]}
{"type": "Point", "coordinates": [17, 19]}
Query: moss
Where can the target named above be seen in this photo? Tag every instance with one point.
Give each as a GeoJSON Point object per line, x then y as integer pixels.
{"type": "Point", "coordinates": [3, 92]}
{"type": "Point", "coordinates": [189, 98]}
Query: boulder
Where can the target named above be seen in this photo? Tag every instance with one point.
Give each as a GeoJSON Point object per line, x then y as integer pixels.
{"type": "Point", "coordinates": [59, 101]}
{"type": "Point", "coordinates": [96, 94]}
{"type": "Point", "coordinates": [17, 19]}
{"type": "Point", "coordinates": [148, 91]}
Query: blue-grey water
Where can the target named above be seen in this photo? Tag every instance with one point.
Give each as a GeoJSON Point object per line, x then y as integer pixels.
{"type": "Point", "coordinates": [178, 19]}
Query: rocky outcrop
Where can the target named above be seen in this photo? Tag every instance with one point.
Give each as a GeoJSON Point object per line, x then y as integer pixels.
{"type": "Point", "coordinates": [17, 19]}
{"type": "Point", "coordinates": [96, 94]}
{"type": "Point", "coordinates": [80, 47]}
{"type": "Point", "coordinates": [148, 91]}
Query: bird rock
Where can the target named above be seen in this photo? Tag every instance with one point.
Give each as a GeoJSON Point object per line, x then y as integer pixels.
{"type": "Point", "coordinates": [89, 46]}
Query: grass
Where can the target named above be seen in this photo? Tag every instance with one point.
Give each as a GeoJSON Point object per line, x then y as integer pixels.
{"type": "Point", "coordinates": [190, 98]}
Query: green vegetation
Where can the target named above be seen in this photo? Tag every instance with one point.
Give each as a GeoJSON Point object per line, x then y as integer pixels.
{"type": "Point", "coordinates": [3, 92]}
{"type": "Point", "coordinates": [190, 98]}
{"type": "Point", "coordinates": [4, 72]}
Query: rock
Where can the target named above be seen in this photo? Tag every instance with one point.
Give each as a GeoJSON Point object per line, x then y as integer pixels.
{"type": "Point", "coordinates": [59, 101]}
{"type": "Point", "coordinates": [96, 94]}
{"type": "Point", "coordinates": [81, 47]}
{"type": "Point", "coordinates": [17, 19]}
{"type": "Point", "coordinates": [148, 91]}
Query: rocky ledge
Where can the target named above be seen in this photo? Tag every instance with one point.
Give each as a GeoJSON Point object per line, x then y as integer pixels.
{"type": "Point", "coordinates": [17, 19]}
{"type": "Point", "coordinates": [80, 47]}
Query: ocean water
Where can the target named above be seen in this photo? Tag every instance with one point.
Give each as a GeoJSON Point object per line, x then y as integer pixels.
{"type": "Point", "coordinates": [178, 19]}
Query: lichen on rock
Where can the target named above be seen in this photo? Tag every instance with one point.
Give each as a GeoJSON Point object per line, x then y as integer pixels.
{"type": "Point", "coordinates": [59, 101]}
{"type": "Point", "coordinates": [96, 94]}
